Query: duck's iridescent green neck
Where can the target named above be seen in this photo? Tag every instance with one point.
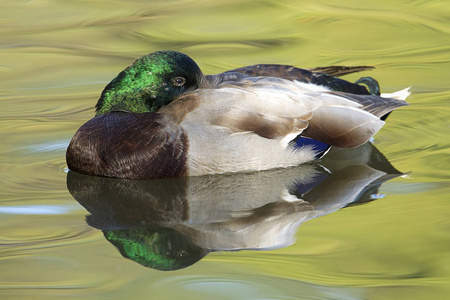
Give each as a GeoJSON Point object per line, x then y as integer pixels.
{"type": "Point", "coordinates": [149, 83]}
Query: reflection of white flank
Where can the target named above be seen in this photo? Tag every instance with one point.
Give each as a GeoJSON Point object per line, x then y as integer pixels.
{"type": "Point", "coordinates": [345, 188]}
{"type": "Point", "coordinates": [271, 233]}
{"type": "Point", "coordinates": [257, 211]}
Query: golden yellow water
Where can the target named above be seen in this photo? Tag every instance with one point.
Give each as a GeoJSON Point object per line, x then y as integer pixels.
{"type": "Point", "coordinates": [56, 57]}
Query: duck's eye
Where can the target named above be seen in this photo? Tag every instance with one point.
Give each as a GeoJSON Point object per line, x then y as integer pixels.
{"type": "Point", "coordinates": [179, 81]}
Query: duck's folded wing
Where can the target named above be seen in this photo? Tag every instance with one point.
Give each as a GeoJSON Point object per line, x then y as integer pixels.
{"type": "Point", "coordinates": [279, 110]}
{"type": "Point", "coordinates": [270, 115]}
{"type": "Point", "coordinates": [349, 120]}
{"type": "Point", "coordinates": [345, 127]}
{"type": "Point", "coordinates": [125, 145]}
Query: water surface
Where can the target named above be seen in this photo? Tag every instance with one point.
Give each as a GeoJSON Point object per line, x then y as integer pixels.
{"type": "Point", "coordinates": [56, 57]}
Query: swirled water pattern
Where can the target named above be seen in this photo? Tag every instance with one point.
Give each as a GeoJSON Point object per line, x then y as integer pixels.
{"type": "Point", "coordinates": [63, 236]}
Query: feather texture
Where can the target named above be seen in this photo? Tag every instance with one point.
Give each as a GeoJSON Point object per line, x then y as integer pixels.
{"type": "Point", "coordinates": [126, 145]}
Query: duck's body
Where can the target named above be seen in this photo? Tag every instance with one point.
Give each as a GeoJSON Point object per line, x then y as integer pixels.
{"type": "Point", "coordinates": [240, 120]}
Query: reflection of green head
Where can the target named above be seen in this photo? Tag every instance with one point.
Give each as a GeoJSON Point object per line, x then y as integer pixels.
{"type": "Point", "coordinates": [160, 248]}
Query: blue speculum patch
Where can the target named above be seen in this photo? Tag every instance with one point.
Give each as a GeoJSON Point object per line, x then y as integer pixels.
{"type": "Point", "coordinates": [320, 147]}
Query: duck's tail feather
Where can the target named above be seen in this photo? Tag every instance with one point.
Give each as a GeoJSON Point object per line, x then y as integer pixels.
{"type": "Point", "coordinates": [371, 83]}
{"type": "Point", "coordinates": [379, 106]}
{"type": "Point", "coordinates": [399, 95]}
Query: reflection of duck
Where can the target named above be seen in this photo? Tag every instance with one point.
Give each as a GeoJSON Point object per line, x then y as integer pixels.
{"type": "Point", "coordinates": [161, 117]}
{"type": "Point", "coordinates": [171, 223]}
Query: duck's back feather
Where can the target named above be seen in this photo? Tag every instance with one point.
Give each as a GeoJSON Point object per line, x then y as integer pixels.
{"type": "Point", "coordinates": [319, 76]}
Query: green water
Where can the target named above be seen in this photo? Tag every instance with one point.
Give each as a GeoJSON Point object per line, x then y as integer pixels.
{"type": "Point", "coordinates": [56, 57]}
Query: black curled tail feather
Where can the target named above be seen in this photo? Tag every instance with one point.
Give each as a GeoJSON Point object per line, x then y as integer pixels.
{"type": "Point", "coordinates": [371, 83]}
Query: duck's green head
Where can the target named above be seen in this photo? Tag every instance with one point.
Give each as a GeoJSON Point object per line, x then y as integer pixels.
{"type": "Point", "coordinates": [151, 82]}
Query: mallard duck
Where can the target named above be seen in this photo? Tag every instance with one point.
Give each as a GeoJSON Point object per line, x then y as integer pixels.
{"type": "Point", "coordinates": [161, 117]}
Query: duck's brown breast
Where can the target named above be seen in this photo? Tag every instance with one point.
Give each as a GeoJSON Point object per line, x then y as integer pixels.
{"type": "Point", "coordinates": [126, 145]}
